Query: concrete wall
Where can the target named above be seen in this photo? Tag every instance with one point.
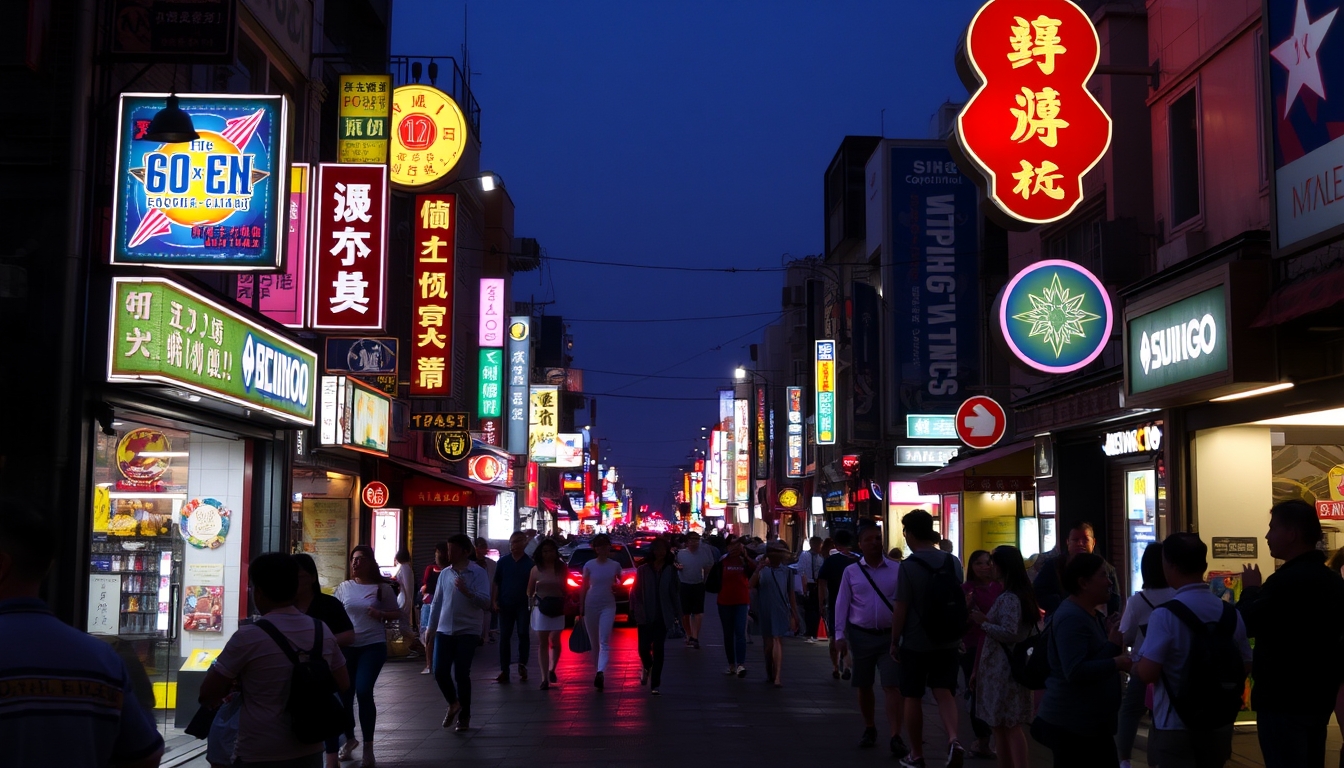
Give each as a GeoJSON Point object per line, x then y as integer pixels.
{"type": "Point", "coordinates": [1233, 488]}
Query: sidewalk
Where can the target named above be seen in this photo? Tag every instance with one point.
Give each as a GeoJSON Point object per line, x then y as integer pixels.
{"type": "Point", "coordinates": [702, 716]}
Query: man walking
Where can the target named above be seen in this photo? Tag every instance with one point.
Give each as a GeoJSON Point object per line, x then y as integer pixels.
{"type": "Point", "coordinates": [809, 567]}
{"type": "Point", "coordinates": [1296, 617]}
{"type": "Point", "coordinates": [693, 564]}
{"type": "Point", "coordinates": [828, 582]}
{"type": "Point", "coordinates": [69, 700]}
{"type": "Point", "coordinates": [457, 616]}
{"type": "Point", "coordinates": [1165, 661]}
{"type": "Point", "coordinates": [923, 637]}
{"type": "Point", "coordinates": [863, 609]}
{"type": "Point", "coordinates": [511, 575]}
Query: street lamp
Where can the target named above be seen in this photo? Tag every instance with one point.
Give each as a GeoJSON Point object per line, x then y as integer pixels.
{"type": "Point", "coordinates": [740, 373]}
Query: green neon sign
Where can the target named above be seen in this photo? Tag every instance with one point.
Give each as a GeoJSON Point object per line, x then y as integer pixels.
{"type": "Point", "coordinates": [491, 393]}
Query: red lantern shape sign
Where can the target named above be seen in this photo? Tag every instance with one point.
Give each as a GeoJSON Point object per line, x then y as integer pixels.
{"type": "Point", "coordinates": [1031, 127]}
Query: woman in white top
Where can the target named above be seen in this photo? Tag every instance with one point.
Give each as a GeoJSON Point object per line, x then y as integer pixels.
{"type": "Point", "coordinates": [369, 601]}
{"type": "Point", "coordinates": [1133, 625]}
{"type": "Point", "coordinates": [597, 601]}
{"type": "Point", "coordinates": [546, 595]}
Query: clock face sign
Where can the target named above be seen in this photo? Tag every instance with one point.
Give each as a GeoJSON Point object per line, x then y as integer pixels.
{"type": "Point", "coordinates": [429, 133]}
{"type": "Point", "coordinates": [1056, 316]}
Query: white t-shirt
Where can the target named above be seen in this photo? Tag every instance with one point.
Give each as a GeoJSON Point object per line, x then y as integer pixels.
{"type": "Point", "coordinates": [1136, 614]}
{"type": "Point", "coordinates": [694, 565]}
{"type": "Point", "coordinates": [600, 578]}
{"type": "Point", "coordinates": [358, 599]}
{"type": "Point", "coordinates": [263, 671]}
{"type": "Point", "coordinates": [406, 578]}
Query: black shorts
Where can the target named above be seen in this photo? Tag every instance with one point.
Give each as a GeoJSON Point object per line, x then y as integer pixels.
{"type": "Point", "coordinates": [692, 598]}
{"type": "Point", "coordinates": [928, 669]}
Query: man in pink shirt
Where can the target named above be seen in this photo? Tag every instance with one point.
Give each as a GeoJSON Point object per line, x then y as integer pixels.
{"type": "Point", "coordinates": [863, 609]}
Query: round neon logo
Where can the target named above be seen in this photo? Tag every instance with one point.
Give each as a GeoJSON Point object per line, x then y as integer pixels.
{"type": "Point", "coordinates": [429, 133]}
{"type": "Point", "coordinates": [1055, 316]}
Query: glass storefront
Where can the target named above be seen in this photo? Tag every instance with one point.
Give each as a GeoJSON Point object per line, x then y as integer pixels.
{"type": "Point", "coordinates": [324, 522]}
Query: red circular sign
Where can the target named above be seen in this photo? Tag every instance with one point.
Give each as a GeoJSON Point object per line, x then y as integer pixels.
{"type": "Point", "coordinates": [417, 132]}
{"type": "Point", "coordinates": [484, 469]}
{"type": "Point", "coordinates": [376, 494]}
{"type": "Point", "coordinates": [981, 422]}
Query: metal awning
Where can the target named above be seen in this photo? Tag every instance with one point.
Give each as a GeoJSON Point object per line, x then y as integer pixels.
{"type": "Point", "coordinates": [1301, 298]}
{"type": "Point", "coordinates": [997, 469]}
{"type": "Point", "coordinates": [480, 493]}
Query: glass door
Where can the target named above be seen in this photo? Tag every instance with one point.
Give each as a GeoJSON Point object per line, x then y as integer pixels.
{"type": "Point", "coordinates": [1141, 511]}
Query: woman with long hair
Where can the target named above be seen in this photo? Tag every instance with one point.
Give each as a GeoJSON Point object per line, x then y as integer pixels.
{"type": "Point", "coordinates": [597, 602]}
{"type": "Point", "coordinates": [313, 601]}
{"type": "Point", "coordinates": [1001, 702]}
{"type": "Point", "coordinates": [1133, 628]}
{"type": "Point", "coordinates": [546, 594]}
{"type": "Point", "coordinates": [655, 604]}
{"type": "Point", "coordinates": [369, 602]}
{"type": "Point", "coordinates": [981, 589]}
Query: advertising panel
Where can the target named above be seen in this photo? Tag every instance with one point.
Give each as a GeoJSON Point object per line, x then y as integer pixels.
{"type": "Point", "coordinates": [435, 252]}
{"type": "Point", "coordinates": [492, 312]}
{"type": "Point", "coordinates": [161, 331]}
{"type": "Point", "coordinates": [354, 415]}
{"type": "Point", "coordinates": [935, 282]}
{"type": "Point", "coordinates": [284, 297]}
{"type": "Point", "coordinates": [727, 488]}
{"type": "Point", "coordinates": [825, 384]}
{"type": "Point", "coordinates": [866, 398]}
{"type": "Point", "coordinates": [569, 450]}
{"type": "Point", "coordinates": [350, 247]}
{"type": "Point", "coordinates": [715, 472]}
{"type": "Point", "coordinates": [793, 467]}
{"type": "Point", "coordinates": [762, 466]}
{"type": "Point", "coordinates": [362, 355]}
{"type": "Point", "coordinates": [156, 30]}
{"type": "Point", "coordinates": [520, 364]}
{"type": "Point", "coordinates": [490, 376]}
{"type": "Point", "coordinates": [429, 133]}
{"type": "Point", "coordinates": [1179, 342]}
{"type": "Point", "coordinates": [214, 203]}
{"type": "Point", "coordinates": [742, 450]}
{"type": "Point", "coordinates": [543, 424]}
{"type": "Point", "coordinates": [363, 115]}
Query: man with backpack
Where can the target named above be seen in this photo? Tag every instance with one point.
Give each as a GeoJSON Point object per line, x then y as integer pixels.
{"type": "Point", "coordinates": [1196, 656]}
{"type": "Point", "coordinates": [926, 630]}
{"type": "Point", "coordinates": [289, 704]}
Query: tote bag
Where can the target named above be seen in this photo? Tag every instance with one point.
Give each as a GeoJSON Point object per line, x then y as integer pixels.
{"type": "Point", "coordinates": [578, 639]}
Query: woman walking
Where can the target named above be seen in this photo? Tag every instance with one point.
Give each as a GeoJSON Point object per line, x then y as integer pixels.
{"type": "Point", "coordinates": [981, 591]}
{"type": "Point", "coordinates": [313, 601]}
{"type": "Point", "coordinates": [546, 591]}
{"type": "Point", "coordinates": [655, 604]}
{"type": "Point", "coordinates": [597, 601]}
{"type": "Point", "coordinates": [777, 605]}
{"type": "Point", "coordinates": [1133, 628]}
{"type": "Point", "coordinates": [1077, 716]}
{"type": "Point", "coordinates": [733, 598]}
{"type": "Point", "coordinates": [1001, 703]}
{"type": "Point", "coordinates": [427, 587]}
{"type": "Point", "coordinates": [369, 602]}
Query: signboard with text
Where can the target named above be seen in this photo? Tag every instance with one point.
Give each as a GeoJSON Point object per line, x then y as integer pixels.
{"type": "Point", "coordinates": [435, 253]}
{"type": "Point", "coordinates": [793, 457]}
{"type": "Point", "coordinates": [350, 248]}
{"type": "Point", "coordinates": [490, 376]}
{"type": "Point", "coordinates": [520, 366]}
{"type": "Point", "coordinates": [166, 30]}
{"type": "Point", "coordinates": [364, 111]}
{"type": "Point", "coordinates": [429, 133]}
{"type": "Point", "coordinates": [543, 424]}
{"type": "Point", "coordinates": [492, 312]}
{"type": "Point", "coordinates": [284, 297]}
{"type": "Point", "coordinates": [762, 466]}
{"type": "Point", "coordinates": [440, 420]}
{"type": "Point", "coordinates": [1179, 342]}
{"type": "Point", "coordinates": [825, 385]}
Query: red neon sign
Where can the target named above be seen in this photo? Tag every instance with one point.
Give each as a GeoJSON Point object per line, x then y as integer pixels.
{"type": "Point", "coordinates": [1031, 127]}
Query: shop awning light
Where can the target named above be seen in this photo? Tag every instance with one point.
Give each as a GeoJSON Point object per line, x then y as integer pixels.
{"type": "Point", "coordinates": [1254, 392]}
{"type": "Point", "coordinates": [163, 454]}
{"type": "Point", "coordinates": [1334, 417]}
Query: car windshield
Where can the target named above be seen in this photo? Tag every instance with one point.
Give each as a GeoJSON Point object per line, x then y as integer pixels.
{"type": "Point", "coordinates": [581, 556]}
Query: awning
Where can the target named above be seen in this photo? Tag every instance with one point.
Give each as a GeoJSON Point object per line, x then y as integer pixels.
{"type": "Point", "coordinates": [1301, 298]}
{"type": "Point", "coordinates": [431, 486]}
{"type": "Point", "coordinates": [1004, 468]}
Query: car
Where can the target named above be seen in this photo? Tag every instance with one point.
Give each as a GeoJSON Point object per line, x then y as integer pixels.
{"type": "Point", "coordinates": [574, 581]}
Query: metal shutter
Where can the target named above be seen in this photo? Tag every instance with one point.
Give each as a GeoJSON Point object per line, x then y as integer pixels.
{"type": "Point", "coordinates": [429, 526]}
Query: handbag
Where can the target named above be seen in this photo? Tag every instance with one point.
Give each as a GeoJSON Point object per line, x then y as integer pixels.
{"type": "Point", "coordinates": [224, 732]}
{"type": "Point", "coordinates": [1029, 660]}
{"type": "Point", "coordinates": [578, 639]}
{"type": "Point", "coordinates": [201, 722]}
{"type": "Point", "coordinates": [551, 606]}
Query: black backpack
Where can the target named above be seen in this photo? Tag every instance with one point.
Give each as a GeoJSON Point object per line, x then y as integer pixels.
{"type": "Point", "coordinates": [1029, 659]}
{"type": "Point", "coordinates": [315, 713]}
{"type": "Point", "coordinates": [943, 611]}
{"type": "Point", "coordinates": [1214, 676]}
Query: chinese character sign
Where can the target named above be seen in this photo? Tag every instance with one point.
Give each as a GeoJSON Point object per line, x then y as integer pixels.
{"type": "Point", "coordinates": [350, 247]}
{"type": "Point", "coordinates": [543, 424]}
{"type": "Point", "coordinates": [1031, 126]}
{"type": "Point", "coordinates": [363, 116]}
{"type": "Point", "coordinates": [429, 133]}
{"type": "Point", "coordinates": [825, 381]}
{"type": "Point", "coordinates": [217, 202]}
{"type": "Point", "coordinates": [742, 446]}
{"type": "Point", "coordinates": [435, 252]}
{"type": "Point", "coordinates": [282, 297]}
{"type": "Point", "coordinates": [491, 383]}
{"type": "Point", "coordinates": [762, 468]}
{"type": "Point", "coordinates": [519, 372]}
{"type": "Point", "coordinates": [492, 312]}
{"type": "Point", "coordinates": [794, 433]}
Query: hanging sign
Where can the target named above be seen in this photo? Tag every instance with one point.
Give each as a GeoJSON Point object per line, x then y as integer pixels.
{"type": "Point", "coordinates": [435, 252]}
{"type": "Point", "coordinates": [1144, 439]}
{"type": "Point", "coordinates": [355, 415]}
{"type": "Point", "coordinates": [350, 247]}
{"type": "Point", "coordinates": [362, 355]}
{"type": "Point", "coordinates": [794, 434]}
{"type": "Point", "coordinates": [217, 202]}
{"type": "Point", "coordinates": [429, 133]}
{"type": "Point", "coordinates": [490, 374]}
{"type": "Point", "coordinates": [825, 381]}
{"type": "Point", "coordinates": [453, 445]}
{"type": "Point", "coordinates": [492, 312]}
{"type": "Point", "coordinates": [440, 420]}
{"type": "Point", "coordinates": [363, 115]}
{"type": "Point", "coordinates": [520, 365]}
{"type": "Point", "coordinates": [1031, 126]}
{"type": "Point", "coordinates": [1055, 316]}
{"type": "Point", "coordinates": [376, 495]}
{"type": "Point", "coordinates": [981, 422]}
{"type": "Point", "coordinates": [543, 424]}
{"type": "Point", "coordinates": [284, 297]}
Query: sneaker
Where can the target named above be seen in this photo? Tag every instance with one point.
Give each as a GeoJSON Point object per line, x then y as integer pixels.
{"type": "Point", "coordinates": [912, 762]}
{"type": "Point", "coordinates": [741, 671]}
{"type": "Point", "coordinates": [732, 670]}
{"type": "Point", "coordinates": [956, 755]}
{"type": "Point", "coordinates": [463, 725]}
{"type": "Point", "coordinates": [643, 675]}
{"type": "Point", "coordinates": [522, 673]}
{"type": "Point", "coordinates": [448, 719]}
{"type": "Point", "coordinates": [348, 749]}
{"type": "Point", "coordinates": [598, 681]}
{"type": "Point", "coordinates": [653, 691]}
{"type": "Point", "coordinates": [869, 737]}
{"type": "Point", "coordinates": [898, 748]}
{"type": "Point", "coordinates": [426, 671]}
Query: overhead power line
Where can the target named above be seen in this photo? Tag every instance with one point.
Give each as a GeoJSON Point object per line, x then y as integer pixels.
{"type": "Point", "coordinates": [671, 319]}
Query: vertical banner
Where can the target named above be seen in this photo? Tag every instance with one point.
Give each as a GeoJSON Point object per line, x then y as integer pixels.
{"type": "Point", "coordinates": [935, 237]}
{"type": "Point", "coordinates": [866, 398]}
{"type": "Point", "coordinates": [712, 490]}
{"type": "Point", "coordinates": [490, 374]}
{"type": "Point", "coordinates": [520, 365]}
{"type": "Point", "coordinates": [727, 454]}
{"type": "Point", "coordinates": [793, 459]}
{"type": "Point", "coordinates": [825, 383]}
{"type": "Point", "coordinates": [543, 424]}
{"type": "Point", "coordinates": [282, 297]}
{"type": "Point", "coordinates": [762, 469]}
{"type": "Point", "coordinates": [492, 432]}
{"type": "Point", "coordinates": [363, 116]}
{"type": "Point", "coordinates": [742, 450]}
{"type": "Point", "coordinates": [350, 248]}
{"type": "Point", "coordinates": [435, 252]}
{"type": "Point", "coordinates": [492, 312]}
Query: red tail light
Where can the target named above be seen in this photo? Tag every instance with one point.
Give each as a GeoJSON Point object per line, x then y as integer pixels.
{"type": "Point", "coordinates": [574, 580]}
{"type": "Point", "coordinates": [629, 580]}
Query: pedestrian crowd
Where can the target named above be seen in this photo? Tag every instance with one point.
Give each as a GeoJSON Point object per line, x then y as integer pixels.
{"type": "Point", "coordinates": [1046, 651]}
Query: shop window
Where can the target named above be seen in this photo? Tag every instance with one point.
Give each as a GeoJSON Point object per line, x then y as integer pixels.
{"type": "Point", "coordinates": [321, 521]}
{"type": "Point", "coordinates": [1183, 150]}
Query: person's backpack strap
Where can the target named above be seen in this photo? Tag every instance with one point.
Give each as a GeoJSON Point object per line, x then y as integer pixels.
{"type": "Point", "coordinates": [283, 641]}
{"type": "Point", "coordinates": [869, 577]}
{"type": "Point", "coordinates": [1145, 599]}
{"type": "Point", "coordinates": [316, 653]}
{"type": "Point", "coordinates": [1227, 621]}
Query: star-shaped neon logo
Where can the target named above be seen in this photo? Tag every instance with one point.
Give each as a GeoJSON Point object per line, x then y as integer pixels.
{"type": "Point", "coordinates": [1057, 315]}
{"type": "Point", "coordinates": [1298, 54]}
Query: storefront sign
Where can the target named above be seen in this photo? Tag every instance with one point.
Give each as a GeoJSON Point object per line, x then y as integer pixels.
{"type": "Point", "coordinates": [1305, 77]}
{"type": "Point", "coordinates": [218, 202]}
{"type": "Point", "coordinates": [742, 446]}
{"type": "Point", "coordinates": [520, 366]}
{"type": "Point", "coordinates": [981, 422]}
{"type": "Point", "coordinates": [435, 253]}
{"type": "Point", "coordinates": [1235, 548]}
{"type": "Point", "coordinates": [440, 420]}
{"type": "Point", "coordinates": [568, 450]}
{"type": "Point", "coordinates": [488, 469]}
{"type": "Point", "coordinates": [1179, 342]}
{"type": "Point", "coordinates": [762, 467]}
{"type": "Point", "coordinates": [1330, 510]}
{"type": "Point", "coordinates": [492, 312]}
{"type": "Point", "coordinates": [925, 455]}
{"type": "Point", "coordinates": [933, 426]}
{"type": "Point", "coordinates": [350, 247]}
{"type": "Point", "coordinates": [825, 383]}
{"type": "Point", "coordinates": [793, 467]}
{"type": "Point", "coordinates": [490, 377]}
{"type": "Point", "coordinates": [866, 371]}
{"type": "Point", "coordinates": [284, 297]}
{"type": "Point", "coordinates": [426, 492]}
{"type": "Point", "coordinates": [453, 445]}
{"type": "Point", "coordinates": [204, 523]}
{"type": "Point", "coordinates": [492, 431]}
{"type": "Point", "coordinates": [543, 424]}
{"type": "Point", "coordinates": [1144, 439]}
{"type": "Point", "coordinates": [1055, 316]}
{"type": "Point", "coordinates": [376, 495]}
{"type": "Point", "coordinates": [161, 331]}
{"type": "Point", "coordinates": [362, 355]}
{"type": "Point", "coordinates": [354, 415]}
{"type": "Point", "coordinates": [789, 498]}
{"type": "Point", "coordinates": [160, 30]}
{"type": "Point", "coordinates": [363, 115]}
{"type": "Point", "coordinates": [835, 501]}
{"type": "Point", "coordinates": [1031, 126]}
{"type": "Point", "coordinates": [429, 133]}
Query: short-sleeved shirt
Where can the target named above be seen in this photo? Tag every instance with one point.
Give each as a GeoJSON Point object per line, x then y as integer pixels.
{"type": "Point", "coordinates": [68, 698]}
{"type": "Point", "coordinates": [330, 611]}
{"type": "Point", "coordinates": [600, 577]}
{"type": "Point", "coordinates": [832, 570]}
{"type": "Point", "coordinates": [735, 587]}
{"type": "Point", "coordinates": [511, 578]}
{"type": "Point", "coordinates": [431, 581]}
{"type": "Point", "coordinates": [358, 599]}
{"type": "Point", "coordinates": [263, 671]}
{"type": "Point", "coordinates": [1137, 611]}
{"type": "Point", "coordinates": [912, 590]}
{"type": "Point", "coordinates": [694, 565]}
{"type": "Point", "coordinates": [1167, 642]}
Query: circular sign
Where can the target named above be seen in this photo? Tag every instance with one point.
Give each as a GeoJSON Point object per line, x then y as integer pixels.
{"type": "Point", "coordinates": [485, 468]}
{"type": "Point", "coordinates": [981, 422]}
{"type": "Point", "coordinates": [788, 498]}
{"type": "Point", "coordinates": [429, 133]}
{"type": "Point", "coordinates": [141, 455]}
{"type": "Point", "coordinates": [453, 445]}
{"type": "Point", "coordinates": [204, 523]}
{"type": "Point", "coordinates": [518, 331]}
{"type": "Point", "coordinates": [1055, 316]}
{"type": "Point", "coordinates": [376, 495]}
